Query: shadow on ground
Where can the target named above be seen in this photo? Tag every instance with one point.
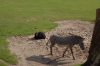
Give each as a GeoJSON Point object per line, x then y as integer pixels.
{"type": "Point", "coordinates": [47, 61]}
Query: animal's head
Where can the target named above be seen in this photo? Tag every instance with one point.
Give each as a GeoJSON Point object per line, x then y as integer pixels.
{"type": "Point", "coordinates": [82, 45]}
{"type": "Point", "coordinates": [40, 35]}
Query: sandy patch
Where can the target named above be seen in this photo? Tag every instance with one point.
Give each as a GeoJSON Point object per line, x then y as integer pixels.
{"type": "Point", "coordinates": [34, 52]}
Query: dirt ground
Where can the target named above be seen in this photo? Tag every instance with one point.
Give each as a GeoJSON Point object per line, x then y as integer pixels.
{"type": "Point", "coordinates": [35, 52]}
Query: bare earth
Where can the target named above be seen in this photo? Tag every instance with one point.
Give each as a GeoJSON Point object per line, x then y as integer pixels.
{"type": "Point", "coordinates": [35, 52]}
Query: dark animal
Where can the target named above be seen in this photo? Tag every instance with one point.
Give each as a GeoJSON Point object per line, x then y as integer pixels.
{"type": "Point", "coordinates": [68, 41]}
{"type": "Point", "coordinates": [39, 35]}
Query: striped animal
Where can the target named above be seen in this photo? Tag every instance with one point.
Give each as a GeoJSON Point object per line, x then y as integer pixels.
{"type": "Point", "coordinates": [68, 41]}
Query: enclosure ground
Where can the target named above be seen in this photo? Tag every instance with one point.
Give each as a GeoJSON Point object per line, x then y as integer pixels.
{"type": "Point", "coordinates": [35, 52]}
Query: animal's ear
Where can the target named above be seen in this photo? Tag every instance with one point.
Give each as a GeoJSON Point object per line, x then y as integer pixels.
{"type": "Point", "coordinates": [36, 34]}
{"type": "Point", "coordinates": [70, 34]}
{"type": "Point", "coordinates": [83, 38]}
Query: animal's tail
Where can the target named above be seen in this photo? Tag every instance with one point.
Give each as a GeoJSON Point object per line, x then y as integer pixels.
{"type": "Point", "coordinates": [47, 44]}
{"type": "Point", "coordinates": [71, 34]}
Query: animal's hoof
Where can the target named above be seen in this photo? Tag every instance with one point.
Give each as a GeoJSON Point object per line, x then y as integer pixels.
{"type": "Point", "coordinates": [73, 58]}
{"type": "Point", "coordinates": [50, 54]}
{"type": "Point", "coordinates": [63, 56]}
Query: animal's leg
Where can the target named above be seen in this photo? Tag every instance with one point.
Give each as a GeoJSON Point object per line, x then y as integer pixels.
{"type": "Point", "coordinates": [51, 49]}
{"type": "Point", "coordinates": [64, 51]}
{"type": "Point", "coordinates": [72, 52]}
{"type": "Point", "coordinates": [47, 44]}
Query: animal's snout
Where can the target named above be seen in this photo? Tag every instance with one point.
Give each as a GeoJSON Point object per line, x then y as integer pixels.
{"type": "Point", "coordinates": [82, 46]}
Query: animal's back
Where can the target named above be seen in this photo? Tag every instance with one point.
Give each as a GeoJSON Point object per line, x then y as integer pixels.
{"type": "Point", "coordinates": [66, 40]}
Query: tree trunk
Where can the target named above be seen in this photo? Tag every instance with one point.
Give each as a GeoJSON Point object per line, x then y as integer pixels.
{"type": "Point", "coordinates": [94, 52]}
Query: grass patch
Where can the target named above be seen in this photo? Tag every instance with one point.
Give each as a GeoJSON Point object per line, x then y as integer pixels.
{"type": "Point", "coordinates": [5, 54]}
{"type": "Point", "coordinates": [24, 17]}
{"type": "Point", "coordinates": [77, 65]}
{"type": "Point", "coordinates": [2, 64]}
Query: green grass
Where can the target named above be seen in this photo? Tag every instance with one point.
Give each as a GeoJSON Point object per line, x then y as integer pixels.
{"type": "Point", "coordinates": [2, 64]}
{"type": "Point", "coordinates": [24, 17]}
{"type": "Point", "coordinates": [5, 54]}
{"type": "Point", "coordinates": [77, 65]}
